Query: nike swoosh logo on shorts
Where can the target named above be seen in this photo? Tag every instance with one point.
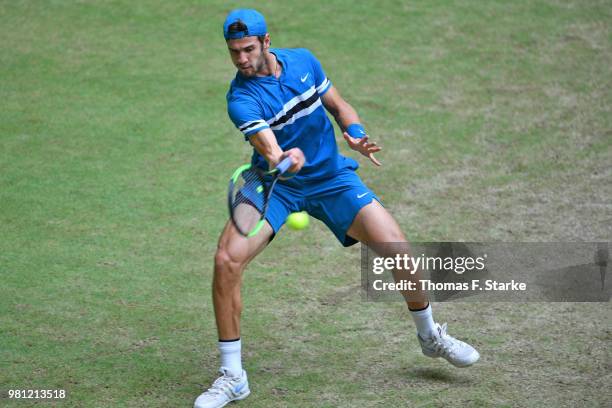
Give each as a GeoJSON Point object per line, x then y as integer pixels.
{"type": "Point", "coordinates": [361, 195]}
{"type": "Point", "coordinates": [305, 77]}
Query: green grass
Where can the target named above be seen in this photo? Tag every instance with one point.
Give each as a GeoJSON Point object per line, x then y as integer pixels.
{"type": "Point", "coordinates": [115, 149]}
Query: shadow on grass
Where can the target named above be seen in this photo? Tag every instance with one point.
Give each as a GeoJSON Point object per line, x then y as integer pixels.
{"type": "Point", "coordinates": [435, 375]}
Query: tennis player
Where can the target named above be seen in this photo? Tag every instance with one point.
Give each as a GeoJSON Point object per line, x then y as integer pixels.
{"type": "Point", "coordinates": [278, 101]}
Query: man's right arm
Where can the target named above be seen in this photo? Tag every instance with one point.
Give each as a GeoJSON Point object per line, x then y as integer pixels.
{"type": "Point", "coordinates": [248, 117]}
{"type": "Point", "coordinates": [266, 144]}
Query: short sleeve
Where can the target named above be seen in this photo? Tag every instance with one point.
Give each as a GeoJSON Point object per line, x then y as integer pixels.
{"type": "Point", "coordinates": [322, 83]}
{"type": "Point", "coordinates": [246, 114]}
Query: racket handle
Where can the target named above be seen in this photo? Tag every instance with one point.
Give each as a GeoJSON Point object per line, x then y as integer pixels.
{"type": "Point", "coordinates": [284, 165]}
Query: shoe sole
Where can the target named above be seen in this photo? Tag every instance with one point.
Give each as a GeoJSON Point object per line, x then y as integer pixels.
{"type": "Point", "coordinates": [239, 398]}
{"type": "Point", "coordinates": [242, 396]}
{"type": "Point", "coordinates": [475, 356]}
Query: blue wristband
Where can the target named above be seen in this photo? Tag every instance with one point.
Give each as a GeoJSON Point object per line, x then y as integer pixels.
{"type": "Point", "coordinates": [356, 130]}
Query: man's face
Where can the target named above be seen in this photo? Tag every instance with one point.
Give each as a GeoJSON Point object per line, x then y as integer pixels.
{"type": "Point", "coordinates": [248, 54]}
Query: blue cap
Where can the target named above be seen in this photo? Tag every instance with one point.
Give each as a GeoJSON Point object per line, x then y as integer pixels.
{"type": "Point", "coordinates": [252, 19]}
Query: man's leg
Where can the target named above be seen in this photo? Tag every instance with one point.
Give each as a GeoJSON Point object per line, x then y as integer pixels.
{"type": "Point", "coordinates": [373, 225]}
{"type": "Point", "coordinates": [233, 254]}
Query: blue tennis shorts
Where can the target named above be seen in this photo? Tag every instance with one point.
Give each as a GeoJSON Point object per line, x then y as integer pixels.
{"type": "Point", "coordinates": [335, 201]}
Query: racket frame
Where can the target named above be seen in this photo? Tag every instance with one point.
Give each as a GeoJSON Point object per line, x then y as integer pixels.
{"type": "Point", "coordinates": [268, 187]}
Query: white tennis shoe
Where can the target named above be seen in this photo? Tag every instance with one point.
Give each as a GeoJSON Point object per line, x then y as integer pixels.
{"type": "Point", "coordinates": [224, 390]}
{"type": "Point", "coordinates": [440, 344]}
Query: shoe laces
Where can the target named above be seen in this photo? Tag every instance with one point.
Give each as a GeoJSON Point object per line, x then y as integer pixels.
{"type": "Point", "coordinates": [443, 342]}
{"type": "Point", "coordinates": [222, 384]}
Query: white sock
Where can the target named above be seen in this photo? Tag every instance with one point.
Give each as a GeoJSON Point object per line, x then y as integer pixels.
{"type": "Point", "coordinates": [230, 356]}
{"type": "Point", "coordinates": [424, 322]}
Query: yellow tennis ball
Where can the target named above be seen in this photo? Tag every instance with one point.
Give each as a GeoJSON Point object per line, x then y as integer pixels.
{"type": "Point", "coordinates": [298, 220]}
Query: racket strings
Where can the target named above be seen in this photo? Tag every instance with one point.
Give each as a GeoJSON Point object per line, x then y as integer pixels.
{"type": "Point", "coordinates": [248, 201]}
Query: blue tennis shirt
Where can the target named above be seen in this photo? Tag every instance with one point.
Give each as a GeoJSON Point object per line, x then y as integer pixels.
{"type": "Point", "coordinates": [291, 106]}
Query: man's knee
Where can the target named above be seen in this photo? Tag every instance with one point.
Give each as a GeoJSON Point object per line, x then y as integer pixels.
{"type": "Point", "coordinates": [396, 235]}
{"type": "Point", "coordinates": [228, 268]}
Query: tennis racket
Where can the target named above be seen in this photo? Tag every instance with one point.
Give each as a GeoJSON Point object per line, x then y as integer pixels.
{"type": "Point", "coordinates": [248, 195]}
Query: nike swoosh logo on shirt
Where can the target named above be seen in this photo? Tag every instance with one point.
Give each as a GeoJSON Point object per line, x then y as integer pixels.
{"type": "Point", "coordinates": [361, 195]}
{"type": "Point", "coordinates": [304, 77]}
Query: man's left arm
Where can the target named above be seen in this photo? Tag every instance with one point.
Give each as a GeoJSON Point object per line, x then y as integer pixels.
{"type": "Point", "coordinates": [348, 120]}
